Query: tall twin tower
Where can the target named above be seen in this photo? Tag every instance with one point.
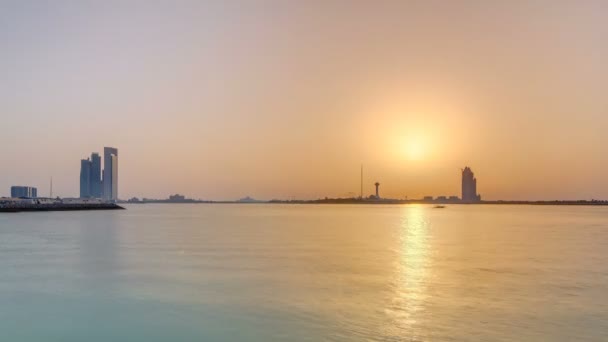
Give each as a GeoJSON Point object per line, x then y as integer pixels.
{"type": "Point", "coordinates": [97, 184]}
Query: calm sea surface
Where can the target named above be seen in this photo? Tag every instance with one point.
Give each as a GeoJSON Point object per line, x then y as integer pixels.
{"type": "Point", "coordinates": [305, 273]}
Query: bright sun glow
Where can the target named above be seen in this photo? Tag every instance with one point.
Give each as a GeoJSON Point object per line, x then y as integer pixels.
{"type": "Point", "coordinates": [414, 148]}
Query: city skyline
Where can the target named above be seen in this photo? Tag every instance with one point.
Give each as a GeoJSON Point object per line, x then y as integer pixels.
{"type": "Point", "coordinates": [287, 100]}
{"type": "Point", "coordinates": [92, 166]}
{"type": "Point", "coordinates": [469, 194]}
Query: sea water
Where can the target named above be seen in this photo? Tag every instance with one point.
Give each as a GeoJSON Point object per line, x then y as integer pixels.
{"type": "Point", "coordinates": [265, 272]}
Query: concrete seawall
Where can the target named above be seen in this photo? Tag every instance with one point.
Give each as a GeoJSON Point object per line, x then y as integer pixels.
{"type": "Point", "coordinates": [29, 207]}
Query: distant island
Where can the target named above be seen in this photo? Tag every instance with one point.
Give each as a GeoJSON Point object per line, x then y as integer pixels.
{"type": "Point", "coordinates": [181, 199]}
{"type": "Point", "coordinates": [177, 198]}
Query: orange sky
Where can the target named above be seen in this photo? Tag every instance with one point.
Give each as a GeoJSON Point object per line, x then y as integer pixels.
{"type": "Point", "coordinates": [277, 99]}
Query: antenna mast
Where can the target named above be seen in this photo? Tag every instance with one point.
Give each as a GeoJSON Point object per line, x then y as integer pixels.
{"type": "Point", "coordinates": [51, 194]}
{"type": "Point", "coordinates": [361, 181]}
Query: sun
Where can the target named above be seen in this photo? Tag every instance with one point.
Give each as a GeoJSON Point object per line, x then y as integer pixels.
{"type": "Point", "coordinates": [414, 148]}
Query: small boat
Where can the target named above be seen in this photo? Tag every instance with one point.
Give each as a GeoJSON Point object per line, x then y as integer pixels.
{"type": "Point", "coordinates": [439, 206]}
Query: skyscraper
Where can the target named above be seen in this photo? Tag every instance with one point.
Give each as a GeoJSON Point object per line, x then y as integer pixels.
{"type": "Point", "coordinates": [95, 185]}
{"type": "Point", "coordinates": [85, 178]}
{"type": "Point", "coordinates": [110, 173]}
{"type": "Point", "coordinates": [469, 186]}
{"type": "Point", "coordinates": [90, 177]}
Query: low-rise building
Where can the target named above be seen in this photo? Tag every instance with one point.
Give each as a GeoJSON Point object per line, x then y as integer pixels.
{"type": "Point", "coordinates": [23, 191]}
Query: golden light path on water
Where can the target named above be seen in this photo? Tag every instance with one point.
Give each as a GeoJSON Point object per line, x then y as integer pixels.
{"type": "Point", "coordinates": [413, 268]}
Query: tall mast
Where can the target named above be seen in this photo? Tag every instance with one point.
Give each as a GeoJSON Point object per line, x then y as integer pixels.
{"type": "Point", "coordinates": [51, 194]}
{"type": "Point", "coordinates": [361, 181]}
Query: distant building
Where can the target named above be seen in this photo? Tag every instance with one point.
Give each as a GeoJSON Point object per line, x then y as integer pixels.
{"type": "Point", "coordinates": [377, 190]}
{"type": "Point", "coordinates": [469, 186]}
{"type": "Point", "coordinates": [90, 177]}
{"type": "Point", "coordinates": [24, 191]}
{"type": "Point", "coordinates": [248, 199]}
{"type": "Point", "coordinates": [110, 173]}
{"type": "Point", "coordinates": [428, 198]}
{"type": "Point", "coordinates": [177, 198]}
{"type": "Point", "coordinates": [85, 178]}
{"type": "Point", "coordinates": [95, 176]}
{"type": "Point", "coordinates": [442, 198]}
{"type": "Point", "coordinates": [454, 199]}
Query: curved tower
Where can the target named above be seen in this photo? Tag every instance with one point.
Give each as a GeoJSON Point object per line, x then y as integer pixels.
{"type": "Point", "coordinates": [469, 186]}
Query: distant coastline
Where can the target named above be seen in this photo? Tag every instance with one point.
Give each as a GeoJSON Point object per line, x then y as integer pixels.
{"type": "Point", "coordinates": [378, 202]}
{"type": "Point", "coordinates": [396, 201]}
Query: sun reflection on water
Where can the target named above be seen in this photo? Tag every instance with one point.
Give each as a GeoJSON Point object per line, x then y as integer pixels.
{"type": "Point", "coordinates": [410, 290]}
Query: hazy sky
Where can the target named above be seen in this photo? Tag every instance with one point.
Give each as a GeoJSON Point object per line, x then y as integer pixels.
{"type": "Point", "coordinates": [280, 99]}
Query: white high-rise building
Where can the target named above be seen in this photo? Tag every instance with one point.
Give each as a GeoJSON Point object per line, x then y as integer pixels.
{"type": "Point", "coordinates": [110, 173]}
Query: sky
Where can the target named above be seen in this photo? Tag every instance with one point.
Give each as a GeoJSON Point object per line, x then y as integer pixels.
{"type": "Point", "coordinates": [287, 99]}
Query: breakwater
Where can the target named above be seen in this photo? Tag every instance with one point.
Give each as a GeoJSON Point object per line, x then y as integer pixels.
{"type": "Point", "coordinates": [13, 206]}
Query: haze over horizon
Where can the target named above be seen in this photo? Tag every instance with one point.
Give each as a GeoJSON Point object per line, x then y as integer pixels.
{"type": "Point", "coordinates": [275, 99]}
